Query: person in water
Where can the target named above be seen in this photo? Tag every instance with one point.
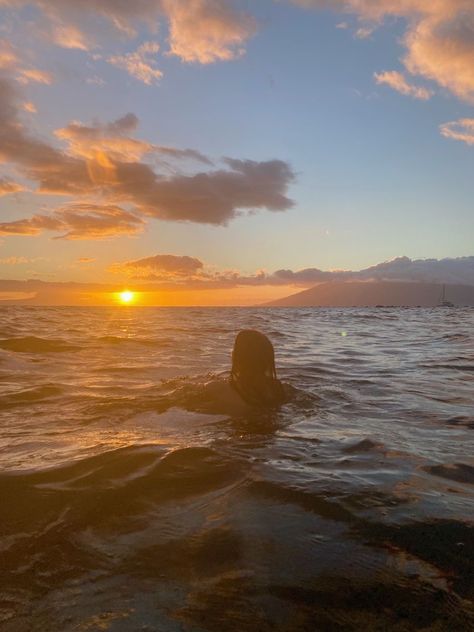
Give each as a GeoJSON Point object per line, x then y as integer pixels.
{"type": "Point", "coordinates": [253, 382]}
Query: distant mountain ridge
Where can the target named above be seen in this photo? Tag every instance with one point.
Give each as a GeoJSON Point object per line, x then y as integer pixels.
{"type": "Point", "coordinates": [377, 293]}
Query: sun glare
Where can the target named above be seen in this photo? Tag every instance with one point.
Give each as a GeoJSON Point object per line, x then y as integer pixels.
{"type": "Point", "coordinates": [126, 296]}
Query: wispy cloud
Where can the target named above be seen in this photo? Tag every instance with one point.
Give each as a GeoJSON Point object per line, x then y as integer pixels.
{"type": "Point", "coordinates": [9, 186]}
{"type": "Point", "coordinates": [462, 130]}
{"type": "Point", "coordinates": [8, 56]}
{"type": "Point", "coordinates": [30, 107]}
{"type": "Point", "coordinates": [79, 221]}
{"type": "Point", "coordinates": [69, 36]}
{"type": "Point", "coordinates": [33, 75]}
{"type": "Point", "coordinates": [141, 64]}
{"type": "Point", "coordinates": [86, 260]}
{"type": "Point", "coordinates": [16, 261]}
{"type": "Point", "coordinates": [364, 32]}
{"type": "Point", "coordinates": [398, 82]}
{"type": "Point", "coordinates": [11, 61]}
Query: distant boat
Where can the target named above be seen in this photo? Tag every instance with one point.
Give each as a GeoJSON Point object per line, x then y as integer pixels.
{"type": "Point", "coordinates": [443, 302]}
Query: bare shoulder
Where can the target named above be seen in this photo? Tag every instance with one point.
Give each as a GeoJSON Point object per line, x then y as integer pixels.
{"type": "Point", "coordinates": [218, 396]}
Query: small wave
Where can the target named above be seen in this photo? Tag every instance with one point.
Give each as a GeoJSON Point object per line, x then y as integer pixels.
{"type": "Point", "coordinates": [365, 445]}
{"type": "Point", "coordinates": [123, 478]}
{"type": "Point", "coordinates": [459, 472]}
{"type": "Point", "coordinates": [29, 396]}
{"type": "Point", "coordinates": [457, 337]}
{"type": "Point", "coordinates": [31, 344]}
{"type": "Point", "coordinates": [446, 544]}
{"type": "Point", "coordinates": [313, 503]}
{"type": "Point", "coordinates": [461, 420]}
{"type": "Point", "coordinates": [453, 367]}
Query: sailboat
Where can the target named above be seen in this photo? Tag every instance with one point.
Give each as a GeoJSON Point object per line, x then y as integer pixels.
{"type": "Point", "coordinates": [443, 302]}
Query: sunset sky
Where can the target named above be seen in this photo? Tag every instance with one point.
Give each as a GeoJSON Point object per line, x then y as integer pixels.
{"type": "Point", "coordinates": [219, 152]}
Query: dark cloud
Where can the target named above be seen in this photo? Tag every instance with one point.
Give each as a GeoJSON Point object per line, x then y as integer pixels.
{"type": "Point", "coordinates": [122, 126]}
{"type": "Point", "coordinates": [459, 270]}
{"type": "Point", "coordinates": [55, 171]}
{"type": "Point", "coordinates": [183, 154]}
{"type": "Point", "coordinates": [193, 273]}
{"type": "Point", "coordinates": [164, 265]}
{"type": "Point", "coordinates": [213, 197]}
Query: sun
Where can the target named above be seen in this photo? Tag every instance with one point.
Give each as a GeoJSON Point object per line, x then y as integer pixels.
{"type": "Point", "coordinates": [126, 296]}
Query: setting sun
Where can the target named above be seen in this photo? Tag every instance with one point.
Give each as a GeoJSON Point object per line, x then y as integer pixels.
{"type": "Point", "coordinates": [126, 296]}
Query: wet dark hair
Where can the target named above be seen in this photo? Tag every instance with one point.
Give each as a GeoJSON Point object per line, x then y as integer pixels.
{"type": "Point", "coordinates": [253, 373]}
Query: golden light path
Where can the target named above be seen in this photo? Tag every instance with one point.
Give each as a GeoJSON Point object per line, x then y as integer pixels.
{"type": "Point", "coordinates": [126, 296]}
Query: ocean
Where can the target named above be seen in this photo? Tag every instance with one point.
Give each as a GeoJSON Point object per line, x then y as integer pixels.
{"type": "Point", "coordinates": [123, 508]}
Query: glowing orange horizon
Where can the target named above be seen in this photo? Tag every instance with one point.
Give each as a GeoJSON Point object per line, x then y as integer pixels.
{"type": "Point", "coordinates": [241, 296]}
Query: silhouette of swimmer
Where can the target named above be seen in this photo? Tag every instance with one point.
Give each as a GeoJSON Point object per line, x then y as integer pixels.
{"type": "Point", "coordinates": [253, 382]}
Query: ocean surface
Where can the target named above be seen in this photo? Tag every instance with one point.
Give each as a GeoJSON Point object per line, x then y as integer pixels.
{"type": "Point", "coordinates": [123, 509]}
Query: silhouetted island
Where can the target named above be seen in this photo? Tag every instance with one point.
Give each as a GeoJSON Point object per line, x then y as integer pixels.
{"type": "Point", "coordinates": [377, 294]}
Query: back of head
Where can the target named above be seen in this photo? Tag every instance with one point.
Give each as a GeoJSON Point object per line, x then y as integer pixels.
{"type": "Point", "coordinates": [253, 354]}
{"type": "Point", "coordinates": [253, 368]}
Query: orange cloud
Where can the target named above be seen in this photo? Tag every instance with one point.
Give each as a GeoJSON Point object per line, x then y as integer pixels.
{"type": "Point", "coordinates": [439, 36]}
{"type": "Point", "coordinates": [111, 139]}
{"type": "Point", "coordinates": [28, 106]}
{"type": "Point", "coordinates": [15, 261]}
{"type": "Point", "coordinates": [140, 64]}
{"type": "Point", "coordinates": [10, 60]}
{"type": "Point", "coordinates": [8, 56]}
{"type": "Point", "coordinates": [398, 82]}
{"type": "Point", "coordinates": [32, 226]}
{"type": "Point", "coordinates": [8, 186]}
{"type": "Point", "coordinates": [206, 31]}
{"type": "Point", "coordinates": [462, 130]}
{"type": "Point", "coordinates": [114, 140]}
{"type": "Point", "coordinates": [69, 36]}
{"type": "Point", "coordinates": [79, 221]}
{"type": "Point", "coordinates": [33, 75]}
{"type": "Point", "coordinates": [441, 48]}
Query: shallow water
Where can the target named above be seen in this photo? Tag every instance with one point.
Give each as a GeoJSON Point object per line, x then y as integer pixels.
{"type": "Point", "coordinates": [351, 508]}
